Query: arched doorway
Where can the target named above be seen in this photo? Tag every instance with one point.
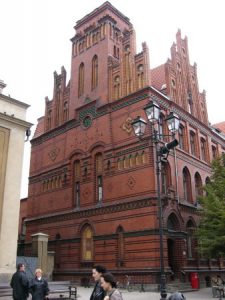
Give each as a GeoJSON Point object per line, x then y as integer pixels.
{"type": "Point", "coordinates": [173, 244]}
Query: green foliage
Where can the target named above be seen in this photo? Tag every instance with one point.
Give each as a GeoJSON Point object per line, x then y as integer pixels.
{"type": "Point", "coordinates": [211, 231]}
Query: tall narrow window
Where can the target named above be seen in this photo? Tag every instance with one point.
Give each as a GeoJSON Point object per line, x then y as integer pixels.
{"type": "Point", "coordinates": [94, 82]}
{"type": "Point", "coordinates": [100, 188]}
{"type": "Point", "coordinates": [49, 119]}
{"type": "Point", "coordinates": [190, 103]}
{"type": "Point", "coordinates": [198, 185]}
{"type": "Point", "coordinates": [190, 239]}
{"type": "Point", "coordinates": [140, 74]}
{"type": "Point", "coordinates": [77, 193]}
{"type": "Point", "coordinates": [81, 80]}
{"type": "Point", "coordinates": [214, 152]}
{"type": "Point", "coordinates": [187, 185]}
{"type": "Point", "coordinates": [99, 177]}
{"type": "Point", "coordinates": [181, 137]}
{"type": "Point", "coordinates": [116, 87]}
{"type": "Point", "coordinates": [77, 173]}
{"type": "Point", "coordinates": [203, 149]}
{"type": "Point", "coordinates": [192, 143]}
{"type": "Point", "coordinates": [65, 111]}
{"type": "Point", "coordinates": [87, 244]}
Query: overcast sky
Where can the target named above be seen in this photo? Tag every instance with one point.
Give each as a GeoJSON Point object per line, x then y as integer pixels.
{"type": "Point", "coordinates": [35, 42]}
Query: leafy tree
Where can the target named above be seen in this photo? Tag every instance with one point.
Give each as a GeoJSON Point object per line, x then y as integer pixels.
{"type": "Point", "coordinates": [211, 231]}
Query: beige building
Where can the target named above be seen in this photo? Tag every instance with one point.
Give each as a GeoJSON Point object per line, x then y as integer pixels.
{"type": "Point", "coordinates": [13, 129]}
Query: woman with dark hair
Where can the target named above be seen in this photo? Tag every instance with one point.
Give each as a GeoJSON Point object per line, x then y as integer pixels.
{"type": "Point", "coordinates": [98, 292]}
{"type": "Point", "coordinates": [108, 283]}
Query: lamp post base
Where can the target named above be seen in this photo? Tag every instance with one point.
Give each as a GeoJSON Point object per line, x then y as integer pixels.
{"type": "Point", "coordinates": [163, 295]}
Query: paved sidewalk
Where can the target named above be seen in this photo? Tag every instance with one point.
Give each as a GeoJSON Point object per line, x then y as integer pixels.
{"type": "Point", "coordinates": [84, 294]}
{"type": "Point", "coordinates": [203, 294]}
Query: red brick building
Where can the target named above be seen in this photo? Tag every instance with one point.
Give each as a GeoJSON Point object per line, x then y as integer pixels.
{"type": "Point", "coordinates": [92, 184]}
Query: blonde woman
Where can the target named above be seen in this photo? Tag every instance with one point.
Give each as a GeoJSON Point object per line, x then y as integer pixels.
{"type": "Point", "coordinates": [39, 286]}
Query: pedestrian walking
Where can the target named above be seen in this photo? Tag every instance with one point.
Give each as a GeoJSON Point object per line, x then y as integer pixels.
{"type": "Point", "coordinates": [108, 283]}
{"type": "Point", "coordinates": [39, 286]}
{"type": "Point", "coordinates": [98, 292]}
{"type": "Point", "coordinates": [20, 284]}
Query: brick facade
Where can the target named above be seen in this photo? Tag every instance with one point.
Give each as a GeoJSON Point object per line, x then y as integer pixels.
{"type": "Point", "coordinates": [92, 185]}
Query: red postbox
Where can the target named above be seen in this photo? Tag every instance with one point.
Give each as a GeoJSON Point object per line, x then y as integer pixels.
{"type": "Point", "coordinates": [194, 280]}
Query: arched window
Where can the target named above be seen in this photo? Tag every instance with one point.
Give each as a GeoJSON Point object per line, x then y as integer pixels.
{"type": "Point", "coordinates": [198, 185]}
{"type": "Point", "coordinates": [214, 152]}
{"type": "Point", "coordinates": [87, 244]}
{"type": "Point", "coordinates": [190, 239]}
{"type": "Point", "coordinates": [81, 80]}
{"type": "Point", "coordinates": [140, 74]}
{"type": "Point", "coordinates": [116, 87]}
{"type": "Point", "coordinates": [65, 111]}
{"type": "Point", "coordinates": [94, 82]}
{"type": "Point", "coordinates": [187, 185]}
{"type": "Point", "coordinates": [181, 137]}
{"type": "Point", "coordinates": [193, 143]}
{"type": "Point", "coordinates": [203, 149]}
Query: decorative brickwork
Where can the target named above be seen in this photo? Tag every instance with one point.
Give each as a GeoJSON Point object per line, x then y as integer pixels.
{"type": "Point", "coordinates": [93, 183]}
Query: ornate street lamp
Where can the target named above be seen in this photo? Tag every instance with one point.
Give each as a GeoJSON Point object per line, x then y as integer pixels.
{"type": "Point", "coordinates": [139, 126]}
{"type": "Point", "coordinates": [152, 111]}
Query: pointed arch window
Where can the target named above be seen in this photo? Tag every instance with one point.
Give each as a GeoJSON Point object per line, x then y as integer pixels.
{"type": "Point", "coordinates": [187, 185]}
{"type": "Point", "coordinates": [198, 185]}
{"type": "Point", "coordinates": [87, 244]}
{"type": "Point", "coordinates": [181, 137]}
{"type": "Point", "coordinates": [190, 239]}
{"type": "Point", "coordinates": [214, 152]}
{"type": "Point", "coordinates": [65, 111]}
{"type": "Point", "coordinates": [81, 80]}
{"type": "Point", "coordinates": [193, 143]}
{"type": "Point", "coordinates": [203, 149]}
{"type": "Point", "coordinates": [140, 74]}
{"type": "Point", "coordinates": [116, 87]}
{"type": "Point", "coordinates": [94, 82]}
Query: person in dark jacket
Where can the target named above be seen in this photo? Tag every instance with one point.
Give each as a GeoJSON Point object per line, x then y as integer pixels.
{"type": "Point", "coordinates": [98, 292]}
{"type": "Point", "coordinates": [39, 286]}
{"type": "Point", "coordinates": [20, 284]}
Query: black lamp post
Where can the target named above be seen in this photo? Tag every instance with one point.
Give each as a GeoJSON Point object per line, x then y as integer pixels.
{"type": "Point", "coordinates": [152, 111]}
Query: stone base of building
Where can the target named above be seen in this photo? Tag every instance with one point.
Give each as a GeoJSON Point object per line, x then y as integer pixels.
{"type": "Point", "coordinates": [6, 275]}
